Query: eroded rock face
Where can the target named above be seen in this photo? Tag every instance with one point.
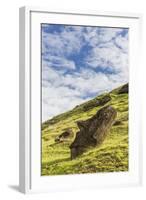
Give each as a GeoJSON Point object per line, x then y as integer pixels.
{"type": "Point", "coordinates": [99, 102]}
{"type": "Point", "coordinates": [63, 136]}
{"type": "Point", "coordinates": [93, 131]}
{"type": "Point", "coordinates": [124, 89]}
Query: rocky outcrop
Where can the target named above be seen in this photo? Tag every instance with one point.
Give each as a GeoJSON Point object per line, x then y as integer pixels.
{"type": "Point", "coordinates": [124, 89]}
{"type": "Point", "coordinates": [117, 123]}
{"type": "Point", "coordinates": [98, 102]}
{"type": "Point", "coordinates": [63, 136]}
{"type": "Point", "coordinates": [93, 131]}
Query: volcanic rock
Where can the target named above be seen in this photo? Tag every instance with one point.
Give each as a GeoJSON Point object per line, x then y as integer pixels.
{"type": "Point", "coordinates": [93, 131]}
{"type": "Point", "coordinates": [63, 136]}
{"type": "Point", "coordinates": [124, 89]}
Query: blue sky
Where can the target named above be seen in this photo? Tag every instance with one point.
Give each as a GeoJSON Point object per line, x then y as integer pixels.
{"type": "Point", "coordinates": [80, 62]}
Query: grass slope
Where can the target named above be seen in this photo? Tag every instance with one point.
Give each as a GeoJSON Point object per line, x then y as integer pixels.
{"type": "Point", "coordinates": [111, 156]}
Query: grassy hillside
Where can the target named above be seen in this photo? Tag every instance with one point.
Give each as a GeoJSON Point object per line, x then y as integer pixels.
{"type": "Point", "coordinates": [112, 155]}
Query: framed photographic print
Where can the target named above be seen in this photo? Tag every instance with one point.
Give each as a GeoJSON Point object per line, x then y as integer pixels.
{"type": "Point", "coordinates": [79, 100]}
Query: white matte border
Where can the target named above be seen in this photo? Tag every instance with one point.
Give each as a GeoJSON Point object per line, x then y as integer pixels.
{"type": "Point", "coordinates": [37, 183]}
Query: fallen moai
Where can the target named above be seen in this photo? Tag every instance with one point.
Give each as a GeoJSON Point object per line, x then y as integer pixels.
{"type": "Point", "coordinates": [93, 131]}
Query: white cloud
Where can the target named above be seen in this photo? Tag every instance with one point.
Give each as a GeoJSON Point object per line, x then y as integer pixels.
{"type": "Point", "coordinates": [64, 84]}
{"type": "Point", "coordinates": [107, 34]}
{"type": "Point", "coordinates": [57, 100]}
{"type": "Point", "coordinates": [66, 42]}
{"type": "Point", "coordinates": [97, 35]}
{"type": "Point", "coordinates": [59, 62]}
{"type": "Point", "coordinates": [65, 92]}
{"type": "Point", "coordinates": [109, 55]}
{"type": "Point", "coordinates": [122, 42]}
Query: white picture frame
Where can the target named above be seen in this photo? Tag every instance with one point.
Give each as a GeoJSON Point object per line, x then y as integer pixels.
{"type": "Point", "coordinates": [29, 160]}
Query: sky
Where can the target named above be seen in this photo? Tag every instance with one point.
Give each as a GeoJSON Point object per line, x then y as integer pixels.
{"type": "Point", "coordinates": [79, 63]}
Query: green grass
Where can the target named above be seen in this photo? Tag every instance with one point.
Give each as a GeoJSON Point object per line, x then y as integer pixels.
{"type": "Point", "coordinates": [110, 156]}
